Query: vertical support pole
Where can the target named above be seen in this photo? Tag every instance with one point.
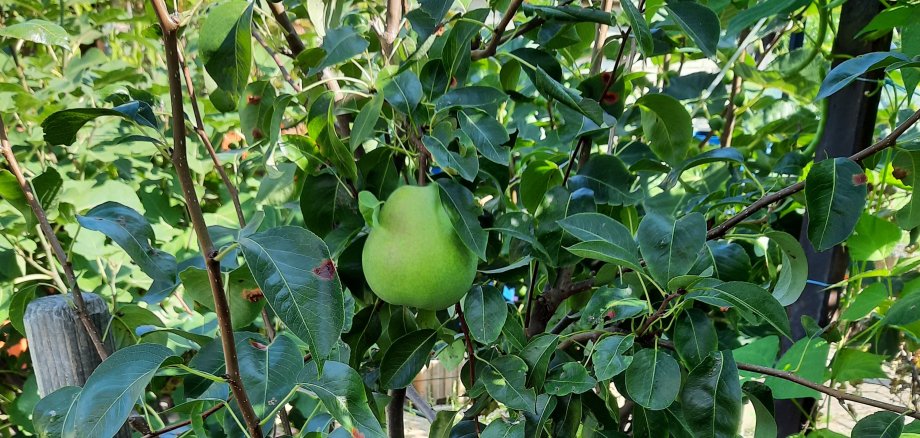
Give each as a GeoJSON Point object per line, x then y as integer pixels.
{"type": "Point", "coordinates": [850, 127]}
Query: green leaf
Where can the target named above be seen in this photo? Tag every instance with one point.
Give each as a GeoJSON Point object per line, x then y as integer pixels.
{"type": "Point", "coordinates": [907, 159]}
{"type": "Point", "coordinates": [699, 22]}
{"type": "Point", "coordinates": [502, 429]}
{"type": "Point", "coordinates": [711, 397]}
{"type": "Point", "coordinates": [653, 379]}
{"type": "Point", "coordinates": [12, 193]}
{"type": "Point", "coordinates": [609, 179]}
{"type": "Point", "coordinates": [339, 45]}
{"type": "Point", "coordinates": [639, 27]}
{"type": "Point", "coordinates": [667, 126]}
{"type": "Point", "coordinates": [879, 425]}
{"type": "Point", "coordinates": [341, 390]}
{"type": "Point", "coordinates": [752, 15]}
{"type": "Point", "coordinates": [602, 238]}
{"type": "Point", "coordinates": [753, 302]}
{"type": "Point", "coordinates": [765, 422]}
{"type": "Point", "coordinates": [443, 422]}
{"type": "Point", "coordinates": [51, 413]}
{"type": "Point", "coordinates": [865, 301]}
{"type": "Point", "coordinates": [466, 163]}
{"type": "Point", "coordinates": [570, 378]}
{"type": "Point", "coordinates": [695, 337]}
{"type": "Point", "coordinates": [403, 92]}
{"type": "Point", "coordinates": [505, 379]}
{"type": "Point", "coordinates": [552, 88]}
{"type": "Point", "coordinates": [609, 356]}
{"type": "Point", "coordinates": [239, 289]}
{"type": "Point", "coordinates": [835, 195]}
{"type": "Point", "coordinates": [225, 44]}
{"type": "Point", "coordinates": [60, 128]}
{"type": "Point", "coordinates": [476, 96]}
{"type": "Point", "coordinates": [537, 353]}
{"type": "Point", "coordinates": [268, 372]}
{"type": "Point", "coordinates": [609, 304]}
{"type": "Point", "coordinates": [293, 268]}
{"type": "Point", "coordinates": [256, 108]}
{"type": "Point", "coordinates": [873, 239]}
{"type": "Point", "coordinates": [670, 247]}
{"type": "Point", "coordinates": [793, 271]}
{"type": "Point", "coordinates": [17, 307]}
{"type": "Point", "coordinates": [807, 358]}
{"type": "Point", "coordinates": [485, 312]}
{"type": "Point", "coordinates": [134, 235]}
{"type": "Point", "coordinates": [851, 365]}
{"type": "Point", "coordinates": [848, 71]}
{"type": "Point", "coordinates": [112, 390]}
{"type": "Point", "coordinates": [487, 134]}
{"type": "Point", "coordinates": [571, 14]}
{"type": "Point", "coordinates": [367, 118]}
{"type": "Point", "coordinates": [727, 155]}
{"type": "Point", "coordinates": [538, 177]}
{"type": "Point", "coordinates": [406, 357]}
{"type": "Point", "coordinates": [905, 310]}
{"type": "Point", "coordinates": [39, 32]}
{"type": "Point", "coordinates": [461, 208]}
{"type": "Point", "coordinates": [650, 424]}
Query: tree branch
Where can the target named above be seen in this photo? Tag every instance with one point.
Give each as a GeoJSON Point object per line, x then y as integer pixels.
{"type": "Point", "coordinates": [421, 404]}
{"type": "Point", "coordinates": [180, 162]}
{"type": "Point", "coordinates": [889, 140]}
{"type": "Point", "coordinates": [395, 426]}
{"type": "Point", "coordinates": [277, 59]}
{"type": "Point", "coordinates": [662, 309]}
{"type": "Point", "coordinates": [180, 424]}
{"type": "Point", "coordinates": [499, 30]}
{"type": "Point", "coordinates": [394, 19]}
{"type": "Point", "coordinates": [56, 247]}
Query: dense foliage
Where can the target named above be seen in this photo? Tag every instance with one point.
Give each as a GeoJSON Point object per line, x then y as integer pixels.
{"type": "Point", "coordinates": [633, 179]}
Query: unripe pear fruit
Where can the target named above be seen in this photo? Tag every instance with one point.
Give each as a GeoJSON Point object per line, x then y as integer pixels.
{"type": "Point", "coordinates": [413, 257]}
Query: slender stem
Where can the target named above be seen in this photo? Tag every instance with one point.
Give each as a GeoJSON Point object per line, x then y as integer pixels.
{"type": "Point", "coordinates": [53, 241]}
{"type": "Point", "coordinates": [184, 423]}
{"type": "Point", "coordinates": [726, 138]}
{"type": "Point", "coordinates": [180, 162]}
{"type": "Point", "coordinates": [662, 309]}
{"type": "Point", "coordinates": [889, 140]}
{"type": "Point", "coordinates": [499, 30]}
{"type": "Point", "coordinates": [199, 129]}
{"type": "Point", "coordinates": [470, 352]}
{"type": "Point", "coordinates": [274, 55]}
{"type": "Point", "coordinates": [290, 34]}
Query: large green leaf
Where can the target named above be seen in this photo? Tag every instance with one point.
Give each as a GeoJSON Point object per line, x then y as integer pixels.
{"type": "Point", "coordinates": [751, 15]}
{"type": "Point", "coordinates": [485, 312]}
{"type": "Point", "coordinates": [609, 356]}
{"type": "Point", "coordinates": [807, 358]}
{"type": "Point", "coordinates": [874, 238]}
{"type": "Point", "coordinates": [753, 302]}
{"type": "Point", "coordinates": [699, 22]}
{"type": "Point", "coordinates": [851, 365]}
{"type": "Point", "coordinates": [608, 177]}
{"type": "Point", "coordinates": [639, 27]}
{"type": "Point", "coordinates": [461, 208]}
{"type": "Point", "coordinates": [835, 194]}
{"type": "Point", "coordinates": [294, 270]}
{"type": "Point", "coordinates": [487, 134]}
{"type": "Point", "coordinates": [602, 238]}
{"type": "Point", "coordinates": [905, 310]}
{"type": "Point", "coordinates": [225, 44]}
{"type": "Point", "coordinates": [502, 429]}
{"type": "Point", "coordinates": [112, 390]}
{"type": "Point", "coordinates": [61, 127]}
{"type": "Point", "coordinates": [342, 392]}
{"type": "Point", "coordinates": [793, 272]}
{"type": "Point", "coordinates": [711, 397]}
{"type": "Point", "coordinates": [242, 293]}
{"type": "Point", "coordinates": [695, 337]}
{"type": "Point", "coordinates": [403, 92]}
{"type": "Point", "coordinates": [39, 32]}
{"type": "Point", "coordinates": [568, 378]}
{"type": "Point", "coordinates": [339, 45]}
{"type": "Point", "coordinates": [505, 380]}
{"type": "Point", "coordinates": [51, 412]}
{"type": "Point", "coordinates": [848, 71]}
{"type": "Point", "coordinates": [670, 247]}
{"type": "Point", "coordinates": [879, 425]}
{"type": "Point", "coordinates": [406, 357]}
{"type": "Point", "coordinates": [537, 354]}
{"type": "Point", "coordinates": [268, 372]}
{"type": "Point", "coordinates": [476, 96]}
{"type": "Point", "coordinates": [465, 162]}
{"type": "Point", "coordinates": [667, 126]}
{"type": "Point", "coordinates": [537, 178]}
{"type": "Point", "coordinates": [653, 379]}
{"type": "Point", "coordinates": [365, 121]}
{"type": "Point", "coordinates": [863, 302]}
{"type": "Point", "coordinates": [133, 233]}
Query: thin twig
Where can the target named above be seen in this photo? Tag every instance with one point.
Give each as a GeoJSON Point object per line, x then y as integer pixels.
{"type": "Point", "coordinates": [889, 140]}
{"type": "Point", "coordinates": [499, 30]}
{"type": "Point", "coordinates": [469, 352]}
{"type": "Point", "coordinates": [53, 241]}
{"type": "Point", "coordinates": [180, 162]}
{"type": "Point", "coordinates": [662, 309]}
{"type": "Point", "coordinates": [184, 423]}
{"type": "Point", "coordinates": [274, 55]}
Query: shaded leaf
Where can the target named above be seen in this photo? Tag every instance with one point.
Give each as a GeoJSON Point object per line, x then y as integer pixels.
{"type": "Point", "coordinates": [406, 357]}
{"type": "Point", "coordinates": [39, 32]}
{"type": "Point", "coordinates": [835, 194]}
{"type": "Point", "coordinates": [485, 312]}
{"type": "Point", "coordinates": [653, 379]}
{"type": "Point", "coordinates": [458, 201]}
{"type": "Point", "coordinates": [225, 44]}
{"type": "Point", "coordinates": [609, 356]}
{"type": "Point", "coordinates": [670, 247]}
{"type": "Point", "coordinates": [711, 397]}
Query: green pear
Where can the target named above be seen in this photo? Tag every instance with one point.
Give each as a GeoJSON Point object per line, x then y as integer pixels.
{"type": "Point", "coordinates": [413, 256]}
